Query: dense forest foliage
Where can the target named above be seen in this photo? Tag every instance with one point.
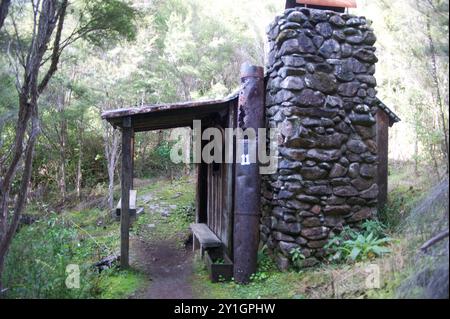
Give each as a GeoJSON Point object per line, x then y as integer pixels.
{"type": "Point", "coordinates": [68, 61]}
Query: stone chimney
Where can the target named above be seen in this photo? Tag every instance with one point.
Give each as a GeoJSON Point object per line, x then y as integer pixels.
{"type": "Point", "coordinates": [321, 95]}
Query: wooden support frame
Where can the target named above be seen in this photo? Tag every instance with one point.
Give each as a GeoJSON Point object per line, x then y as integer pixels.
{"type": "Point", "coordinates": [126, 185]}
{"type": "Point", "coordinates": [383, 158]}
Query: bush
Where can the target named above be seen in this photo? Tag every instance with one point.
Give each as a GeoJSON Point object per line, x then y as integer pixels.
{"type": "Point", "coordinates": [351, 245]}
{"type": "Point", "coordinates": [36, 263]}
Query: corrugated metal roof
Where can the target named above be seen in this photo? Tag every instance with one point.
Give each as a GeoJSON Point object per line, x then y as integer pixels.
{"type": "Point", "coordinates": [164, 116]}
{"type": "Point", "coordinates": [393, 118]}
{"type": "Point", "coordinates": [330, 3]}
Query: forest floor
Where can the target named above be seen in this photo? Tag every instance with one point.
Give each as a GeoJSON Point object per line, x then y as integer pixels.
{"type": "Point", "coordinates": [160, 246]}
{"type": "Point", "coordinates": [163, 265]}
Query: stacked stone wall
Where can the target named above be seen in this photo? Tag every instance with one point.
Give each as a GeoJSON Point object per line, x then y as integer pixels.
{"type": "Point", "coordinates": [321, 95]}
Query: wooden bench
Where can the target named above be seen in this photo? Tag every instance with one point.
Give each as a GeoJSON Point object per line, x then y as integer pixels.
{"type": "Point", "coordinates": [204, 238]}
{"type": "Point", "coordinates": [133, 196]}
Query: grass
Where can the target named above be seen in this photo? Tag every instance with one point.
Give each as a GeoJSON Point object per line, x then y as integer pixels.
{"type": "Point", "coordinates": [177, 198]}
{"type": "Point", "coordinates": [120, 285]}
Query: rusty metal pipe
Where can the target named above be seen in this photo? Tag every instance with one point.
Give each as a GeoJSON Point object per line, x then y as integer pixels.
{"type": "Point", "coordinates": [247, 202]}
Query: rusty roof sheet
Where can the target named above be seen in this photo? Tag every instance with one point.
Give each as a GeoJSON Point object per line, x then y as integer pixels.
{"type": "Point", "coordinates": [330, 3]}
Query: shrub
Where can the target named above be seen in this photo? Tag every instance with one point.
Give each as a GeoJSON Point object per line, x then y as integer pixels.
{"type": "Point", "coordinates": [352, 246]}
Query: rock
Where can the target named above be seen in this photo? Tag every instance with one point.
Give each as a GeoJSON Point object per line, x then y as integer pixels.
{"type": "Point", "coordinates": [287, 247]}
{"type": "Point", "coordinates": [334, 221]}
{"type": "Point", "coordinates": [339, 35]}
{"type": "Point", "coordinates": [316, 209]}
{"type": "Point", "coordinates": [299, 142]}
{"type": "Point", "coordinates": [346, 50]}
{"type": "Point", "coordinates": [366, 56]}
{"type": "Point", "coordinates": [331, 141]}
{"type": "Point", "coordinates": [335, 182]}
{"type": "Point", "coordinates": [368, 171]}
{"type": "Point", "coordinates": [297, 16]}
{"type": "Point", "coordinates": [345, 191]}
{"type": "Point", "coordinates": [344, 73]}
{"type": "Point", "coordinates": [308, 199]}
{"type": "Point", "coordinates": [330, 48]}
{"type": "Point", "coordinates": [285, 35]}
{"type": "Point", "coordinates": [337, 21]}
{"type": "Point", "coordinates": [323, 82]}
{"type": "Point", "coordinates": [355, 66]}
{"type": "Point", "coordinates": [290, 26]}
{"type": "Point", "coordinates": [334, 102]}
{"type": "Point", "coordinates": [295, 204]}
{"type": "Point", "coordinates": [315, 233]}
{"type": "Point", "coordinates": [335, 200]}
{"type": "Point", "coordinates": [365, 213]}
{"type": "Point", "coordinates": [312, 222]}
{"type": "Point", "coordinates": [283, 237]}
{"type": "Point", "coordinates": [305, 44]}
{"type": "Point", "coordinates": [368, 79]}
{"type": "Point", "coordinates": [371, 193]}
{"type": "Point", "coordinates": [301, 241]}
{"type": "Point", "coordinates": [338, 171]}
{"type": "Point", "coordinates": [284, 164]}
{"type": "Point", "coordinates": [285, 195]}
{"type": "Point", "coordinates": [337, 210]}
{"type": "Point", "coordinates": [282, 262]}
{"type": "Point", "coordinates": [356, 146]}
{"type": "Point", "coordinates": [348, 89]}
{"type": "Point", "coordinates": [324, 29]}
{"type": "Point", "coordinates": [310, 98]}
{"type": "Point", "coordinates": [320, 190]}
{"type": "Point", "coordinates": [362, 119]}
{"type": "Point", "coordinates": [293, 61]}
{"type": "Point", "coordinates": [313, 173]}
{"type": "Point", "coordinates": [318, 41]}
{"type": "Point", "coordinates": [370, 38]}
{"type": "Point", "coordinates": [290, 46]}
{"type": "Point", "coordinates": [324, 67]}
{"type": "Point", "coordinates": [324, 155]}
{"type": "Point", "coordinates": [292, 83]}
{"type": "Point", "coordinates": [365, 132]}
{"type": "Point", "coordinates": [315, 244]}
{"type": "Point", "coordinates": [354, 22]}
{"type": "Point", "coordinates": [355, 39]}
{"type": "Point", "coordinates": [285, 72]}
{"type": "Point", "coordinates": [361, 183]}
{"type": "Point", "coordinates": [294, 154]}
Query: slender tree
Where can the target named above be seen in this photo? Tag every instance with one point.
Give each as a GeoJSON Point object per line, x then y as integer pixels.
{"type": "Point", "coordinates": [4, 7]}
{"type": "Point", "coordinates": [98, 21]}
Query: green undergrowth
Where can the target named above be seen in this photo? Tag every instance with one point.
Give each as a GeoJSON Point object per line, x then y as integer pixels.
{"type": "Point", "coordinates": [36, 265]}
{"type": "Point", "coordinates": [176, 198]}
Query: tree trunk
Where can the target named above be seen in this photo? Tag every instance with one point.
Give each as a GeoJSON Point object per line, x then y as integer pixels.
{"type": "Point", "coordinates": [438, 91]}
{"type": "Point", "coordinates": [4, 7]}
{"type": "Point", "coordinates": [80, 158]}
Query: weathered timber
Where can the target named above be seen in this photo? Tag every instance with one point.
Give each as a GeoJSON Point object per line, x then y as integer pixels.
{"type": "Point", "coordinates": [383, 151]}
{"type": "Point", "coordinates": [127, 175]}
{"type": "Point", "coordinates": [205, 236]}
{"type": "Point", "coordinates": [166, 116]}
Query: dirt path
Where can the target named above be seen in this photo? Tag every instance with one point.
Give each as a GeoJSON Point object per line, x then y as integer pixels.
{"type": "Point", "coordinates": [169, 270]}
{"type": "Point", "coordinates": [167, 264]}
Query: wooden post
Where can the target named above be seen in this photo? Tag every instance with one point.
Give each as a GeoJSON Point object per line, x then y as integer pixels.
{"type": "Point", "coordinates": [383, 150]}
{"type": "Point", "coordinates": [133, 142]}
{"type": "Point", "coordinates": [127, 174]}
